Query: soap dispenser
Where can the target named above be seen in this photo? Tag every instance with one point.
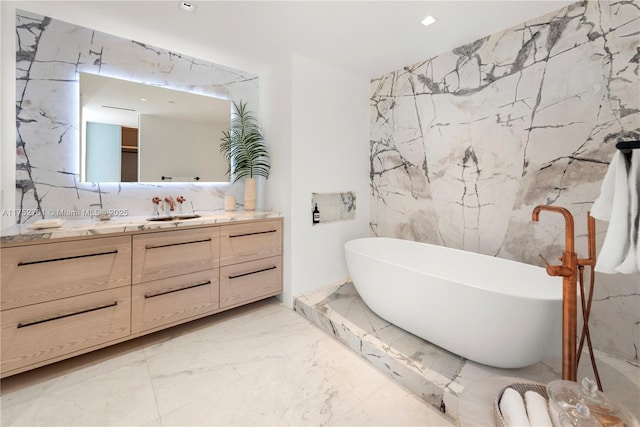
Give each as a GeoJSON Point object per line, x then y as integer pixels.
{"type": "Point", "coordinates": [316, 215]}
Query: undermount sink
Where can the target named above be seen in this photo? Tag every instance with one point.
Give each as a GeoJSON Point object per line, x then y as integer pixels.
{"type": "Point", "coordinates": [173, 217]}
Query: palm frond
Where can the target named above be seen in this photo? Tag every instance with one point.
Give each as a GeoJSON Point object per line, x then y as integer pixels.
{"type": "Point", "coordinates": [243, 146]}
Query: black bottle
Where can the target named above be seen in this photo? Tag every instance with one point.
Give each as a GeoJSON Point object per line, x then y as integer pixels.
{"type": "Point", "coordinates": [316, 215]}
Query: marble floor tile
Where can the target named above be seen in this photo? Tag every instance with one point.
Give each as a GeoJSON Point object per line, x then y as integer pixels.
{"type": "Point", "coordinates": [212, 358]}
{"type": "Point", "coordinates": [257, 365]}
{"type": "Point", "coordinates": [433, 374]}
{"type": "Point", "coordinates": [313, 385]}
{"type": "Point", "coordinates": [123, 396]}
{"type": "Point", "coordinates": [18, 389]}
{"type": "Point", "coordinates": [390, 405]}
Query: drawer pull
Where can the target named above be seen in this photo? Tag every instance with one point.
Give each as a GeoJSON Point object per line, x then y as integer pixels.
{"type": "Point", "coordinates": [177, 244]}
{"type": "Point", "coordinates": [231, 236]}
{"type": "Point", "coordinates": [20, 264]}
{"type": "Point", "coordinates": [253, 272]}
{"type": "Point", "coordinates": [62, 316]}
{"type": "Point", "coordinates": [208, 282]}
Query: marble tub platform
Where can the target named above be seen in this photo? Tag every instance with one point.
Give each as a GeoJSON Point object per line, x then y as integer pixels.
{"type": "Point", "coordinates": [430, 372]}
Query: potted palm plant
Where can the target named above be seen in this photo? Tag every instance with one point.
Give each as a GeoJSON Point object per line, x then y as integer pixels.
{"type": "Point", "coordinates": [244, 148]}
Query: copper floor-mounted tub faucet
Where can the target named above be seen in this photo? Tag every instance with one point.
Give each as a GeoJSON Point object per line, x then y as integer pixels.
{"type": "Point", "coordinates": [569, 269]}
{"type": "Point", "coordinates": [569, 272]}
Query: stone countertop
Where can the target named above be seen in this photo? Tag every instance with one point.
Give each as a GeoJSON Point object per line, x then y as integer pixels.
{"type": "Point", "coordinates": [20, 233]}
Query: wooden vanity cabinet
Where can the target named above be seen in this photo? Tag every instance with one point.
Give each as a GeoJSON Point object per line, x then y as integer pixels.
{"type": "Point", "coordinates": [250, 241]}
{"type": "Point", "coordinates": [67, 297]}
{"type": "Point", "coordinates": [163, 254]}
{"type": "Point", "coordinates": [165, 302]}
{"type": "Point", "coordinates": [48, 271]}
{"type": "Point", "coordinates": [61, 298]}
{"type": "Point", "coordinates": [175, 277]}
{"type": "Point", "coordinates": [251, 262]}
{"type": "Point", "coordinates": [46, 331]}
{"type": "Point", "coordinates": [250, 281]}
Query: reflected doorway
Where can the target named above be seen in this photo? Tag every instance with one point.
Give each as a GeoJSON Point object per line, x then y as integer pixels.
{"type": "Point", "coordinates": [129, 159]}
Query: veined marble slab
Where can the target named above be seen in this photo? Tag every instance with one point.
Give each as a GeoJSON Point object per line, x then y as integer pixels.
{"type": "Point", "coordinates": [430, 372]}
{"type": "Point", "coordinates": [50, 53]}
{"type": "Point", "coordinates": [465, 144]}
{"type": "Point", "coordinates": [93, 227]}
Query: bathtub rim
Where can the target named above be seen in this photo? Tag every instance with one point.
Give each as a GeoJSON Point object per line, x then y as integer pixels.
{"type": "Point", "coordinates": [549, 295]}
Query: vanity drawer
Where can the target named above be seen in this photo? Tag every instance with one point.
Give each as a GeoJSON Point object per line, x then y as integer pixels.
{"type": "Point", "coordinates": [44, 331]}
{"type": "Point", "coordinates": [172, 253]}
{"type": "Point", "coordinates": [169, 301]}
{"type": "Point", "coordinates": [247, 242]}
{"type": "Point", "coordinates": [249, 281]}
{"type": "Point", "coordinates": [49, 271]}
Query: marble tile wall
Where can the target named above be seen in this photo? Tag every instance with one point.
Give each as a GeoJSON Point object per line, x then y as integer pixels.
{"type": "Point", "coordinates": [465, 144]}
{"type": "Point", "coordinates": [49, 55]}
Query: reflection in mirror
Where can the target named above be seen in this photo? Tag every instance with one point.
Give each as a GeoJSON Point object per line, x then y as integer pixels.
{"type": "Point", "coordinates": [135, 132]}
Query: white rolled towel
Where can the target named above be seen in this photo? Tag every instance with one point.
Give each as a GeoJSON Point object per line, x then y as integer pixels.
{"type": "Point", "coordinates": [631, 262]}
{"type": "Point", "coordinates": [537, 409]}
{"type": "Point", "coordinates": [613, 205]}
{"type": "Point", "coordinates": [513, 409]}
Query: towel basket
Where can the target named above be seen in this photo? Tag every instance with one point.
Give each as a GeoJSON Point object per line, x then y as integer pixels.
{"type": "Point", "coordinates": [521, 388]}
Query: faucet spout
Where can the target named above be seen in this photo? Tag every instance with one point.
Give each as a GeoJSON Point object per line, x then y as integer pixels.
{"type": "Point", "coordinates": [568, 218]}
{"type": "Point", "coordinates": [170, 204]}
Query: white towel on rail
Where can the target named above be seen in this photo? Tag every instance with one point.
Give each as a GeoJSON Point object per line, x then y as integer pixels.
{"type": "Point", "coordinates": [617, 203]}
{"type": "Point", "coordinates": [631, 263]}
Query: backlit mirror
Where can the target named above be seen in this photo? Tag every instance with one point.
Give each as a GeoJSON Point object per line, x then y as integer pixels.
{"type": "Point", "coordinates": [133, 132]}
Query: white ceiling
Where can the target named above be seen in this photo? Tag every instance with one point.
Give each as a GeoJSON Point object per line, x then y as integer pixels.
{"type": "Point", "coordinates": [365, 37]}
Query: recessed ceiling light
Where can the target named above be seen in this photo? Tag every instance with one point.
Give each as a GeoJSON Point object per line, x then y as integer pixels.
{"type": "Point", "coordinates": [428, 20]}
{"type": "Point", "coordinates": [185, 5]}
{"type": "Point", "coordinates": [143, 99]}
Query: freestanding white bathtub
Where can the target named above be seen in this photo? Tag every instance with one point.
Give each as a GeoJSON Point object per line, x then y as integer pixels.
{"type": "Point", "coordinates": [490, 310]}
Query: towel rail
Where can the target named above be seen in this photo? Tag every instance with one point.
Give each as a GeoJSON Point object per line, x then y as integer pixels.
{"type": "Point", "coordinates": [628, 145]}
{"type": "Point", "coordinates": [170, 178]}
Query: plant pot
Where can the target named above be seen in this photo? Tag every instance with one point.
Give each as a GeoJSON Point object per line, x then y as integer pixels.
{"type": "Point", "coordinates": [250, 194]}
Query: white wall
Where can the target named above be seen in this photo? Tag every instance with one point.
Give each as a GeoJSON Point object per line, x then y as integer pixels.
{"type": "Point", "coordinates": [275, 104]}
{"type": "Point", "coordinates": [316, 122]}
{"type": "Point", "coordinates": [330, 153]}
